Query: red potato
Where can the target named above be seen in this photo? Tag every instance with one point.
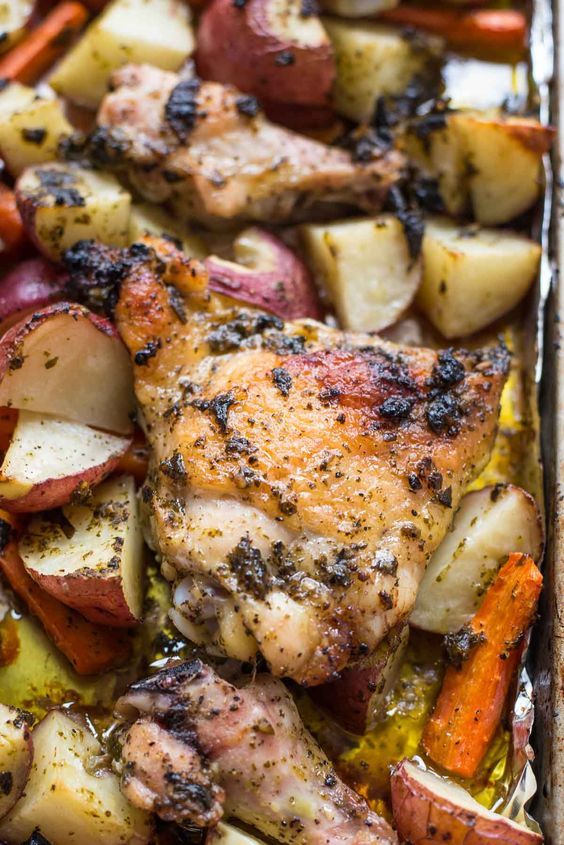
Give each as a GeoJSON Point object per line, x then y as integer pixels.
{"type": "Point", "coordinates": [16, 754]}
{"type": "Point", "coordinates": [30, 284]}
{"type": "Point", "coordinates": [271, 49]}
{"type": "Point", "coordinates": [68, 362]}
{"type": "Point", "coordinates": [428, 808]}
{"type": "Point", "coordinates": [50, 460]}
{"type": "Point", "coordinates": [99, 569]}
{"type": "Point", "coordinates": [356, 700]}
{"type": "Point", "coordinates": [267, 274]}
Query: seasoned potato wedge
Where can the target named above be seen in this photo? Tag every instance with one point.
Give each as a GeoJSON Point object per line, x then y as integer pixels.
{"type": "Point", "coordinates": [490, 524]}
{"type": "Point", "coordinates": [148, 219]}
{"type": "Point", "coordinates": [14, 16]}
{"type": "Point", "coordinates": [155, 32]}
{"type": "Point", "coordinates": [39, 372]}
{"type": "Point", "coordinates": [226, 834]}
{"type": "Point", "coordinates": [372, 60]}
{"type": "Point", "coordinates": [471, 277]}
{"type": "Point", "coordinates": [16, 752]}
{"type": "Point", "coordinates": [365, 267]}
{"type": "Point", "coordinates": [61, 204]}
{"type": "Point", "coordinates": [357, 8]}
{"type": "Point", "coordinates": [503, 158]}
{"type": "Point", "coordinates": [66, 802]}
{"type": "Point", "coordinates": [49, 460]}
{"type": "Point", "coordinates": [98, 570]}
{"type": "Point", "coordinates": [30, 127]}
{"type": "Point", "coordinates": [428, 808]}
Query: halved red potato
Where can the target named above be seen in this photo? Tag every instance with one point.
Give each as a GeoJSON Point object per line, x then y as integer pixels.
{"type": "Point", "coordinates": [94, 563]}
{"type": "Point", "coordinates": [14, 17]}
{"type": "Point", "coordinates": [30, 284]}
{"type": "Point", "coordinates": [490, 524]}
{"type": "Point", "coordinates": [68, 362]}
{"type": "Point", "coordinates": [428, 808]}
{"type": "Point", "coordinates": [271, 48]}
{"type": "Point", "coordinates": [356, 700]}
{"type": "Point", "coordinates": [50, 460]}
{"type": "Point", "coordinates": [267, 274]}
{"type": "Point", "coordinates": [16, 753]}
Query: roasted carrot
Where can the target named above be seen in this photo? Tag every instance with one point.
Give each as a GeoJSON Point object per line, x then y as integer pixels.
{"type": "Point", "coordinates": [89, 648]}
{"type": "Point", "coordinates": [472, 697]}
{"type": "Point", "coordinates": [136, 459]}
{"type": "Point", "coordinates": [12, 234]}
{"type": "Point", "coordinates": [494, 32]}
{"type": "Point", "coordinates": [39, 49]}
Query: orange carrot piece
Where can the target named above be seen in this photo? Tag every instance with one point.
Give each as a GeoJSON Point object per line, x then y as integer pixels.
{"type": "Point", "coordinates": [471, 700]}
{"type": "Point", "coordinates": [12, 233]}
{"type": "Point", "coordinates": [136, 460]}
{"type": "Point", "coordinates": [45, 43]}
{"type": "Point", "coordinates": [487, 31]}
{"type": "Point", "coordinates": [89, 648]}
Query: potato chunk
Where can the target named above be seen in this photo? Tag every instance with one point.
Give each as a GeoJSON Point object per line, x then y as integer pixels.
{"type": "Point", "coordinates": [156, 32]}
{"type": "Point", "coordinates": [148, 219]}
{"type": "Point", "coordinates": [64, 801]}
{"type": "Point", "coordinates": [14, 16]}
{"type": "Point", "coordinates": [471, 277]}
{"type": "Point", "coordinates": [30, 127]}
{"type": "Point", "coordinates": [16, 751]}
{"type": "Point", "coordinates": [365, 267]}
{"type": "Point", "coordinates": [372, 60]}
{"type": "Point", "coordinates": [61, 204]}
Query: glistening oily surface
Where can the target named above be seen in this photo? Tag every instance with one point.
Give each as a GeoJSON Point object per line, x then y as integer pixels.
{"type": "Point", "coordinates": [267, 275]}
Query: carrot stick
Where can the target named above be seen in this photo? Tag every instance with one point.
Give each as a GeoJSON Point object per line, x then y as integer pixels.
{"type": "Point", "coordinates": [37, 52]}
{"type": "Point", "coordinates": [136, 459]}
{"type": "Point", "coordinates": [488, 31]}
{"type": "Point", "coordinates": [12, 234]}
{"type": "Point", "coordinates": [89, 648]}
{"type": "Point", "coordinates": [471, 700]}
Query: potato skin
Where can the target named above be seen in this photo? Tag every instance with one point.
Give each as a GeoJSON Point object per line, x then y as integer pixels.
{"type": "Point", "coordinates": [82, 590]}
{"type": "Point", "coordinates": [423, 816]}
{"type": "Point", "coordinates": [237, 46]}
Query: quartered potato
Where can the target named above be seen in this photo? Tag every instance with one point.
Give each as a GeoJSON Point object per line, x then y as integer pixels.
{"type": "Point", "coordinates": [30, 127]}
{"type": "Point", "coordinates": [357, 8]}
{"type": "Point", "coordinates": [16, 752]}
{"type": "Point", "coordinates": [473, 276]}
{"type": "Point", "coordinates": [366, 268]}
{"type": "Point", "coordinates": [49, 460]}
{"type": "Point", "coordinates": [14, 16]}
{"type": "Point", "coordinates": [156, 32]}
{"type": "Point", "coordinates": [373, 60]}
{"type": "Point", "coordinates": [486, 163]}
{"type": "Point", "coordinates": [490, 524]}
{"type": "Point", "coordinates": [96, 566]}
{"type": "Point", "coordinates": [65, 800]}
{"type": "Point", "coordinates": [226, 834]}
{"type": "Point", "coordinates": [61, 204]}
{"type": "Point", "coordinates": [148, 219]}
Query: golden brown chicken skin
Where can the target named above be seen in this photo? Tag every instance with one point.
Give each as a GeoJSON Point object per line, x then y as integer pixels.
{"type": "Point", "coordinates": [300, 476]}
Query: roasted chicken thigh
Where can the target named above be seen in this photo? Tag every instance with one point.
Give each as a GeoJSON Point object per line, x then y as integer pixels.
{"type": "Point", "coordinates": [301, 476]}
{"type": "Point", "coordinates": [202, 746]}
{"type": "Point", "coordinates": [211, 154]}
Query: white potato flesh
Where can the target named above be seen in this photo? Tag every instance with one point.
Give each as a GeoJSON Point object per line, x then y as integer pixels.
{"type": "Point", "coordinates": [62, 204]}
{"type": "Point", "coordinates": [504, 173]}
{"type": "Point", "coordinates": [155, 32]}
{"type": "Point", "coordinates": [30, 127]}
{"type": "Point", "coordinates": [286, 22]}
{"type": "Point", "coordinates": [14, 15]}
{"type": "Point", "coordinates": [365, 267]}
{"type": "Point", "coordinates": [226, 834]}
{"type": "Point", "coordinates": [64, 801]}
{"type": "Point", "coordinates": [47, 449]}
{"type": "Point", "coordinates": [429, 808]}
{"type": "Point", "coordinates": [148, 219]}
{"type": "Point", "coordinates": [99, 569]}
{"type": "Point", "coordinates": [372, 60]}
{"type": "Point", "coordinates": [357, 8]}
{"type": "Point", "coordinates": [490, 524]}
{"type": "Point", "coordinates": [471, 277]}
{"type": "Point", "coordinates": [65, 362]}
{"type": "Point", "coordinates": [16, 751]}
